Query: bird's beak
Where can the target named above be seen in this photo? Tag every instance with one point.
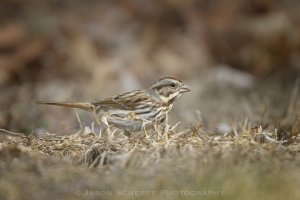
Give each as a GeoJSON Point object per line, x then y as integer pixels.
{"type": "Point", "coordinates": [185, 88]}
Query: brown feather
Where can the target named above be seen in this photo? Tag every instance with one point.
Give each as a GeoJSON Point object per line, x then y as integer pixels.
{"type": "Point", "coordinates": [83, 106]}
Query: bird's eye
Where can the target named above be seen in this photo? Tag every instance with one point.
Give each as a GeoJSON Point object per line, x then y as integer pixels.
{"type": "Point", "coordinates": [173, 85]}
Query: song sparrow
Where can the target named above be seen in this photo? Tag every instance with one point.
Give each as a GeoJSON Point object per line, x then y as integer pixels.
{"type": "Point", "coordinates": [133, 111]}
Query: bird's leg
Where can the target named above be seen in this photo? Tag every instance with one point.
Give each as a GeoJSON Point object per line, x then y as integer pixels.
{"type": "Point", "coordinates": [144, 128]}
{"type": "Point", "coordinates": [158, 128]}
{"type": "Point", "coordinates": [166, 126]}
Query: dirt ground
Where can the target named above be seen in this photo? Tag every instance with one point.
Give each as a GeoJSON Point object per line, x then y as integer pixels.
{"type": "Point", "coordinates": [249, 163]}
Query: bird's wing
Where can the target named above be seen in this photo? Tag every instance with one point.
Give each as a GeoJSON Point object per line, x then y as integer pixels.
{"type": "Point", "coordinates": [126, 101]}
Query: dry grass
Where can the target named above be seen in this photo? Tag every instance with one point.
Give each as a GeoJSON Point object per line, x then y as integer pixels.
{"type": "Point", "coordinates": [248, 163]}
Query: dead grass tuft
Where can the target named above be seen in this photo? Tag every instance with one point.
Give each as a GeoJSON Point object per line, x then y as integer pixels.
{"type": "Point", "coordinates": [248, 158]}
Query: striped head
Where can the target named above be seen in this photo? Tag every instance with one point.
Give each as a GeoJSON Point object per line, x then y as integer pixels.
{"type": "Point", "coordinates": [168, 89]}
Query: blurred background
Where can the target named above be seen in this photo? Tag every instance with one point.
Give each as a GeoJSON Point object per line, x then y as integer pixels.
{"type": "Point", "coordinates": [241, 58]}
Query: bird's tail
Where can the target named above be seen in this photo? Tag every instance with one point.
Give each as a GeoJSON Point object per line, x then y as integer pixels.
{"type": "Point", "coordinates": [83, 106]}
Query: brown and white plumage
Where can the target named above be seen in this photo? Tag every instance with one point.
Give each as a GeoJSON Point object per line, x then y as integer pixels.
{"type": "Point", "coordinates": [134, 110]}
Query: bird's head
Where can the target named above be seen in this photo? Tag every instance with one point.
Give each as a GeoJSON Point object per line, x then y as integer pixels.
{"type": "Point", "coordinates": [168, 89]}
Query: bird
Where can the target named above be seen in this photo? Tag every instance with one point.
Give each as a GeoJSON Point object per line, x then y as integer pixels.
{"type": "Point", "coordinates": [136, 110]}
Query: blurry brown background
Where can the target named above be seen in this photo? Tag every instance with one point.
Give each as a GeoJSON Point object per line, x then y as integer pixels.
{"type": "Point", "coordinates": [241, 58]}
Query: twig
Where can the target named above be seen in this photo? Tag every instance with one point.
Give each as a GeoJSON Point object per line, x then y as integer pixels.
{"type": "Point", "coordinates": [81, 131]}
{"type": "Point", "coordinates": [293, 99]}
{"type": "Point", "coordinates": [175, 126]}
{"type": "Point", "coordinates": [13, 134]}
{"type": "Point", "coordinates": [180, 134]}
{"type": "Point", "coordinates": [96, 161]}
{"type": "Point", "coordinates": [78, 119]}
